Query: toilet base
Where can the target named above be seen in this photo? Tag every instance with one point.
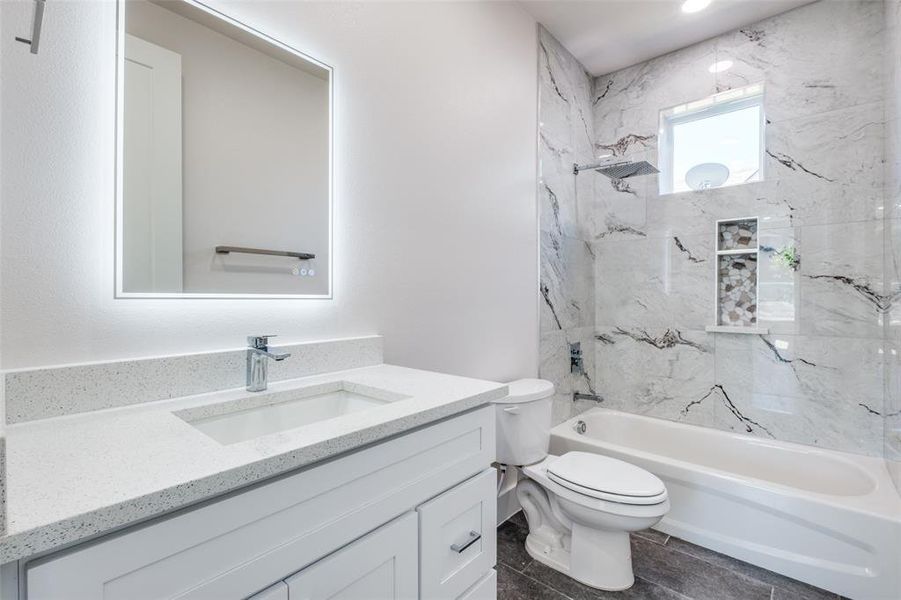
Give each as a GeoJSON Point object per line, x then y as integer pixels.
{"type": "Point", "coordinates": [603, 558]}
{"type": "Point", "coordinates": [581, 536]}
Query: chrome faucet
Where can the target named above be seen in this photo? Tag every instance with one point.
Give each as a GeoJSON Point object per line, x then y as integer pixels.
{"type": "Point", "coordinates": [258, 355]}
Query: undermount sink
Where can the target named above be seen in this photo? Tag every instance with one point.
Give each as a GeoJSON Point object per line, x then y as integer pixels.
{"type": "Point", "coordinates": [265, 413]}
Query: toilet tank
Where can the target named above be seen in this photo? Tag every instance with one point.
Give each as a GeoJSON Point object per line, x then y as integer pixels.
{"type": "Point", "coordinates": [524, 422]}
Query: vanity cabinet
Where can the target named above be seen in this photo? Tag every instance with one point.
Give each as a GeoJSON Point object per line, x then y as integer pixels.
{"type": "Point", "coordinates": [412, 517]}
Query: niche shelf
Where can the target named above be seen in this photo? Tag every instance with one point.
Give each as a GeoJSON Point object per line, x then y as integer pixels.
{"type": "Point", "coordinates": [737, 253]}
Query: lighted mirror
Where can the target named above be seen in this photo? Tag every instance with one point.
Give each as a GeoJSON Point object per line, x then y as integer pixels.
{"type": "Point", "coordinates": [224, 184]}
{"type": "Point", "coordinates": [713, 142]}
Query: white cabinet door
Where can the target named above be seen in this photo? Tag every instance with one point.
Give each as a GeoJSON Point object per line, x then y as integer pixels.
{"type": "Point", "coordinates": [379, 566]}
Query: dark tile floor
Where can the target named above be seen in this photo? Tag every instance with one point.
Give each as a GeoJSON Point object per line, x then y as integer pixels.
{"type": "Point", "coordinates": [666, 568]}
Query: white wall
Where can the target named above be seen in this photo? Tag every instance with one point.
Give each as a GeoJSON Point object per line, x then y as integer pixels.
{"type": "Point", "coordinates": [435, 225]}
{"type": "Point", "coordinates": [257, 179]}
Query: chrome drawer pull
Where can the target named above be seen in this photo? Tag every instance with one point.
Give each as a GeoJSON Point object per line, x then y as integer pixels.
{"type": "Point", "coordinates": [474, 537]}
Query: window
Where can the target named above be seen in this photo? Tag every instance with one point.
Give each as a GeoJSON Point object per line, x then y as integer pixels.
{"type": "Point", "coordinates": [714, 142]}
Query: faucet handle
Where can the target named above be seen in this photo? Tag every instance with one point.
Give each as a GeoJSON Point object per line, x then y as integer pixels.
{"type": "Point", "coordinates": [259, 341]}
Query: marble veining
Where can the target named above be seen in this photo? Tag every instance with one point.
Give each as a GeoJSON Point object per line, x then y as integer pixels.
{"type": "Point", "coordinates": [567, 201]}
{"type": "Point", "coordinates": [656, 372]}
{"type": "Point", "coordinates": [815, 59]}
{"type": "Point", "coordinates": [828, 281]}
{"type": "Point", "coordinates": [719, 392]}
{"type": "Point", "coordinates": [806, 389]}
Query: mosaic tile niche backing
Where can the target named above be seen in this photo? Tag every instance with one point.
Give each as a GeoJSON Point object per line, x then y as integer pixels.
{"type": "Point", "coordinates": [737, 273]}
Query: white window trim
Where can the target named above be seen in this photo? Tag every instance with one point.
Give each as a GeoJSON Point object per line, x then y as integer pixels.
{"type": "Point", "coordinates": [718, 104]}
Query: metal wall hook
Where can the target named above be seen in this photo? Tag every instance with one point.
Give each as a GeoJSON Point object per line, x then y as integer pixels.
{"type": "Point", "coordinates": [35, 40]}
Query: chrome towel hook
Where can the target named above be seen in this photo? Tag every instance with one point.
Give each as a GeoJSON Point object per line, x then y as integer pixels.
{"type": "Point", "coordinates": [35, 40]}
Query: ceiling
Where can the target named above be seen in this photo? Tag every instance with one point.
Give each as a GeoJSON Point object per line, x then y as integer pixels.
{"type": "Point", "coordinates": [607, 35]}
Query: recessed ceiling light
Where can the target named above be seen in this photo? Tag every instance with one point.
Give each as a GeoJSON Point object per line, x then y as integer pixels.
{"type": "Point", "coordinates": [720, 66]}
{"type": "Point", "coordinates": [693, 6]}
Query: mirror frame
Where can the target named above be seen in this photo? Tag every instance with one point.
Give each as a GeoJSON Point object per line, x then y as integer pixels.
{"type": "Point", "coordinates": [119, 128]}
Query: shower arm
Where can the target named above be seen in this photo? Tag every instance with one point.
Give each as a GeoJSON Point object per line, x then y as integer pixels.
{"type": "Point", "coordinates": [577, 167]}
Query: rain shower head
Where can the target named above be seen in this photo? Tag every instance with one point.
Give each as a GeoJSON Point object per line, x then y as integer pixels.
{"type": "Point", "coordinates": [627, 169]}
{"type": "Point", "coordinates": [619, 170]}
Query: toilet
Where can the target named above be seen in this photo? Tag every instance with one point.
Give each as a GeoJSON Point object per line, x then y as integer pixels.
{"type": "Point", "coordinates": [580, 506]}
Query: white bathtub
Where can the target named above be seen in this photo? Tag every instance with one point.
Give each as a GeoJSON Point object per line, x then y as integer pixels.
{"type": "Point", "coordinates": [828, 518]}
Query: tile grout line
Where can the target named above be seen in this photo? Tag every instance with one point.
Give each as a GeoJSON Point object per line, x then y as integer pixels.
{"type": "Point", "coordinates": [564, 595]}
{"type": "Point", "coordinates": [665, 544]}
{"type": "Point", "coordinates": [515, 568]}
{"type": "Point", "coordinates": [726, 568]}
{"type": "Point", "coordinates": [546, 586]}
{"type": "Point", "coordinates": [664, 587]}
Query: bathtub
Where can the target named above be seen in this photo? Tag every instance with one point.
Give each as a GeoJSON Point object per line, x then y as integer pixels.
{"type": "Point", "coordinates": [827, 518]}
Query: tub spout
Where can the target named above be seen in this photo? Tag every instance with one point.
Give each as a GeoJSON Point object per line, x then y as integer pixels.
{"type": "Point", "coordinates": [592, 397]}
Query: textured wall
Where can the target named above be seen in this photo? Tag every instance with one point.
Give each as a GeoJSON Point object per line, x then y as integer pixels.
{"type": "Point", "coordinates": [435, 214]}
{"type": "Point", "coordinates": [817, 377]}
{"type": "Point", "coordinates": [567, 262]}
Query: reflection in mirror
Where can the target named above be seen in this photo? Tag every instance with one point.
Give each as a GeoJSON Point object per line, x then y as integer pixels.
{"type": "Point", "coordinates": [224, 158]}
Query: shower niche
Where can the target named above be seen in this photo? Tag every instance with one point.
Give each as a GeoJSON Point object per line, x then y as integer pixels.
{"type": "Point", "coordinates": [737, 253]}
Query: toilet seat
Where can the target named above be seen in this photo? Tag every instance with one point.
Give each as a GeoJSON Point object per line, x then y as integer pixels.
{"type": "Point", "coordinates": [606, 478]}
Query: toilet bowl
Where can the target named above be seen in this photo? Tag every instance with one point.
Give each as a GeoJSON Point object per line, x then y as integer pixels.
{"type": "Point", "coordinates": [580, 506]}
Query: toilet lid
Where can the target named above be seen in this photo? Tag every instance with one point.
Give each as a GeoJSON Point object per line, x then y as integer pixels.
{"type": "Point", "coordinates": [606, 478]}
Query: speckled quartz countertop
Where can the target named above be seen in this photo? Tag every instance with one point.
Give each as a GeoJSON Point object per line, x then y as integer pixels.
{"type": "Point", "coordinates": [74, 477]}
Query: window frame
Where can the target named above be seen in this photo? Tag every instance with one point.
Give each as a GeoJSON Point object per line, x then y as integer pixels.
{"type": "Point", "coordinates": [705, 108]}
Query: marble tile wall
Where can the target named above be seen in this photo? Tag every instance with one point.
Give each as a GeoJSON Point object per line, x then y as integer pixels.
{"type": "Point", "coordinates": [566, 136]}
{"type": "Point", "coordinates": [892, 424]}
{"type": "Point", "coordinates": [817, 378]}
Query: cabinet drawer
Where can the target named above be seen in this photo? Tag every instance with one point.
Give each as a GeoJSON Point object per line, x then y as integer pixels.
{"type": "Point", "coordinates": [484, 589]}
{"type": "Point", "coordinates": [457, 542]}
